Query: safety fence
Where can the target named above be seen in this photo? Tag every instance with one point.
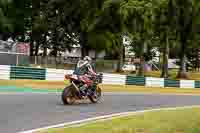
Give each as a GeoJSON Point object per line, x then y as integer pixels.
{"type": "Point", "coordinates": [14, 72]}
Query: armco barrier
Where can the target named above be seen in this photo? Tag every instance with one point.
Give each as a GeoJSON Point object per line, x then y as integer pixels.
{"type": "Point", "coordinates": [13, 72]}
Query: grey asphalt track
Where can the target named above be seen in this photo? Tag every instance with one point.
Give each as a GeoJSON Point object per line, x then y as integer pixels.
{"type": "Point", "coordinates": [21, 112]}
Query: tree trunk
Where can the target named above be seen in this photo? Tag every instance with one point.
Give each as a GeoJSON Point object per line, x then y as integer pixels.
{"type": "Point", "coordinates": [183, 71]}
{"type": "Point", "coordinates": [121, 56]}
{"type": "Point", "coordinates": [34, 34]}
{"type": "Point", "coordinates": [55, 56]}
{"type": "Point", "coordinates": [83, 43]}
{"type": "Point", "coordinates": [96, 54]}
{"type": "Point", "coordinates": [45, 45]}
{"type": "Point", "coordinates": [84, 52]}
{"type": "Point", "coordinates": [165, 73]}
{"type": "Point", "coordinates": [45, 52]}
{"type": "Point", "coordinates": [141, 68]}
{"type": "Point", "coordinates": [45, 56]}
{"type": "Point", "coordinates": [124, 53]}
{"type": "Point", "coordinates": [142, 60]}
{"type": "Point", "coordinates": [32, 47]}
{"type": "Point", "coordinates": [120, 62]}
{"type": "Point", "coordinates": [37, 48]}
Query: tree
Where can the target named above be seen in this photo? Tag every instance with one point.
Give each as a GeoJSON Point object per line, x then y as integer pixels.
{"type": "Point", "coordinates": [163, 28]}
{"type": "Point", "coordinates": [182, 17]}
{"type": "Point", "coordinates": [137, 18]}
{"type": "Point", "coordinates": [13, 15]}
{"type": "Point", "coordinates": [78, 16]}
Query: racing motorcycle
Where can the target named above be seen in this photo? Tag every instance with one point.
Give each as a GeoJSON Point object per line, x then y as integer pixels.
{"type": "Point", "coordinates": [74, 91]}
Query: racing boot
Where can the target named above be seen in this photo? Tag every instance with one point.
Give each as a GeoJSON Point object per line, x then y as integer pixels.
{"type": "Point", "coordinates": [83, 90]}
{"type": "Point", "coordinates": [92, 90]}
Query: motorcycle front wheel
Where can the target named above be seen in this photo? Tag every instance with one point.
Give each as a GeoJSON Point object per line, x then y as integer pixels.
{"type": "Point", "coordinates": [67, 95]}
{"type": "Point", "coordinates": [96, 96]}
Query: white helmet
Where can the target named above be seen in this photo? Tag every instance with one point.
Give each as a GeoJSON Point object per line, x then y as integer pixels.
{"type": "Point", "coordinates": [87, 58]}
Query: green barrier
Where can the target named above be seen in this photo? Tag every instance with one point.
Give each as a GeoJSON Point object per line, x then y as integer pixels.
{"type": "Point", "coordinates": [27, 73]}
{"type": "Point", "coordinates": [197, 84]}
{"type": "Point", "coordinates": [27, 77]}
{"type": "Point", "coordinates": [172, 83]}
{"type": "Point", "coordinates": [132, 80]}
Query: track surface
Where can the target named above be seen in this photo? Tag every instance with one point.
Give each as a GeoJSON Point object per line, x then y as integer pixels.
{"type": "Point", "coordinates": [20, 112]}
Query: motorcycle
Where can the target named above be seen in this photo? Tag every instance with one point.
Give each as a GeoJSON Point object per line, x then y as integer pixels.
{"type": "Point", "coordinates": [74, 91]}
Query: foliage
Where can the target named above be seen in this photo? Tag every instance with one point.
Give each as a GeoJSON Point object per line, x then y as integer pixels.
{"type": "Point", "coordinates": [171, 26]}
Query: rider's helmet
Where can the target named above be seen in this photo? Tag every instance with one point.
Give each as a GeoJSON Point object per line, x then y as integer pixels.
{"type": "Point", "coordinates": [88, 59]}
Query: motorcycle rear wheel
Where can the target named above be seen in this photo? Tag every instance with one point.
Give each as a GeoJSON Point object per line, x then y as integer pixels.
{"type": "Point", "coordinates": [97, 95]}
{"type": "Point", "coordinates": [67, 95]}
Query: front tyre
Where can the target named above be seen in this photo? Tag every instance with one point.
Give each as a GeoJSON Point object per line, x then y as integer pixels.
{"type": "Point", "coordinates": [67, 95]}
{"type": "Point", "coordinates": [96, 96]}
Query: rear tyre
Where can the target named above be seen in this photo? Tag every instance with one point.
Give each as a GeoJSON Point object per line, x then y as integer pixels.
{"type": "Point", "coordinates": [67, 96]}
{"type": "Point", "coordinates": [96, 96]}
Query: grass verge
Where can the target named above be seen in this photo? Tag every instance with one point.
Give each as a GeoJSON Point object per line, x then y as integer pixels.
{"type": "Point", "coordinates": [174, 121]}
{"type": "Point", "coordinates": [51, 85]}
{"type": "Point", "coordinates": [35, 84]}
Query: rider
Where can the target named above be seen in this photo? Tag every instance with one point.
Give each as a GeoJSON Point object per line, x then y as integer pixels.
{"type": "Point", "coordinates": [85, 72]}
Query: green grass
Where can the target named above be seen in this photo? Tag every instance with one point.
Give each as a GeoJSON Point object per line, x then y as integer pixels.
{"type": "Point", "coordinates": [177, 121]}
{"type": "Point", "coordinates": [35, 84]}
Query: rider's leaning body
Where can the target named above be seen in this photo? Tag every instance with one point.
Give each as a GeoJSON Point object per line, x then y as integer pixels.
{"type": "Point", "coordinates": [85, 71]}
{"type": "Point", "coordinates": [84, 67]}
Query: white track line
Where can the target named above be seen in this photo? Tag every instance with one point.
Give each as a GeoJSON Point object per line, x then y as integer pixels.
{"type": "Point", "coordinates": [117, 115]}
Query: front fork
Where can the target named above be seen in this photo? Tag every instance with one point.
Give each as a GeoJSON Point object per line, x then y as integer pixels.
{"type": "Point", "coordinates": [77, 89]}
